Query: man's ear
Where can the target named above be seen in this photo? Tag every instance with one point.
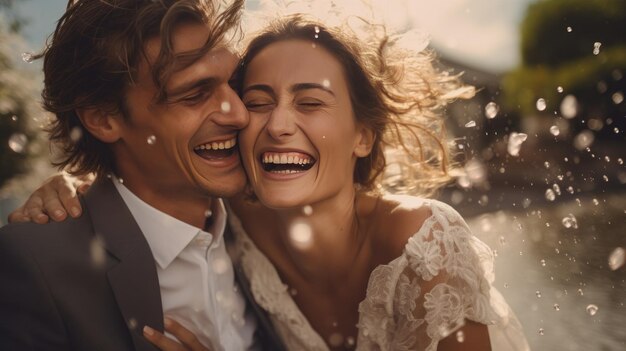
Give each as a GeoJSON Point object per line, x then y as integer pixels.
{"type": "Point", "coordinates": [103, 125]}
{"type": "Point", "coordinates": [365, 142]}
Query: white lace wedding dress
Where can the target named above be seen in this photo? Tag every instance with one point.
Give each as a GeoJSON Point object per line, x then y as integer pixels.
{"type": "Point", "coordinates": [443, 278]}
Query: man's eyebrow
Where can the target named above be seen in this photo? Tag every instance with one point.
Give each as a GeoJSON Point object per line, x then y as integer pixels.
{"type": "Point", "coordinates": [183, 88]}
{"type": "Point", "coordinates": [260, 87]}
{"type": "Point", "coordinates": [305, 86]}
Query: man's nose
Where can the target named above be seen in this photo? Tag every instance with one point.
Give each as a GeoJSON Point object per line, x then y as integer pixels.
{"type": "Point", "coordinates": [232, 112]}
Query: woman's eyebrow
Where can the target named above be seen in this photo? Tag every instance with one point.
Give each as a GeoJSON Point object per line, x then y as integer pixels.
{"type": "Point", "coordinates": [260, 87]}
{"type": "Point", "coordinates": [305, 86]}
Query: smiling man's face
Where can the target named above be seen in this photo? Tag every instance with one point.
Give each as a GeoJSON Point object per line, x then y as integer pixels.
{"type": "Point", "coordinates": [185, 147]}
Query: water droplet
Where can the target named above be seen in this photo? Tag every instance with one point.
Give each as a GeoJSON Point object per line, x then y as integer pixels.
{"type": "Point", "coordinates": [616, 258]}
{"type": "Point", "coordinates": [17, 142]}
{"type": "Point", "coordinates": [606, 179]}
{"type": "Point", "coordinates": [301, 234]}
{"type": "Point", "coordinates": [538, 293]}
{"type": "Point", "coordinates": [570, 190]}
{"type": "Point", "coordinates": [584, 139]}
{"type": "Point", "coordinates": [580, 292]}
{"type": "Point", "coordinates": [596, 47]}
{"type": "Point", "coordinates": [554, 130]}
{"type": "Point", "coordinates": [592, 309]}
{"type": "Point", "coordinates": [460, 336]}
{"type": "Point", "coordinates": [151, 140]}
{"type": "Point", "coordinates": [502, 241]}
{"type": "Point", "coordinates": [14, 118]}
{"type": "Point", "coordinates": [220, 266]}
{"type": "Point", "coordinates": [546, 164]}
{"type": "Point", "coordinates": [335, 340]}
{"type": "Point", "coordinates": [617, 97]}
{"type": "Point", "coordinates": [550, 196]}
{"type": "Point", "coordinates": [470, 124]}
{"type": "Point", "coordinates": [541, 331]}
{"type": "Point", "coordinates": [208, 213]}
{"type": "Point", "coordinates": [557, 189]}
{"type": "Point", "coordinates": [569, 107]}
{"type": "Point", "coordinates": [620, 161]}
{"type": "Point", "coordinates": [569, 29]}
{"type": "Point", "coordinates": [541, 104]}
{"type": "Point", "coordinates": [326, 83]}
{"type": "Point", "coordinates": [559, 89]}
{"type": "Point", "coordinates": [506, 285]}
{"type": "Point", "coordinates": [491, 110]}
{"type": "Point", "coordinates": [97, 252]}
{"type": "Point", "coordinates": [569, 221]}
{"type": "Point", "coordinates": [607, 159]}
{"type": "Point", "coordinates": [121, 180]}
{"type": "Point", "coordinates": [526, 202]}
{"type": "Point", "coordinates": [293, 292]}
{"type": "Point", "coordinates": [515, 143]}
{"type": "Point", "coordinates": [132, 324]}
{"type": "Point", "coordinates": [317, 29]}
{"type": "Point", "coordinates": [350, 341]}
{"type": "Point", "coordinates": [543, 263]}
{"type": "Point", "coordinates": [28, 57]}
{"type": "Point", "coordinates": [225, 107]}
{"type": "Point", "coordinates": [316, 36]}
{"type": "Point", "coordinates": [595, 202]}
{"type": "Point", "coordinates": [307, 210]}
{"type": "Point", "coordinates": [76, 134]}
{"type": "Point", "coordinates": [557, 307]}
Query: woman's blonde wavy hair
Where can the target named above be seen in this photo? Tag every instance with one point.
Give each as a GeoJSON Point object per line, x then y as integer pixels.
{"type": "Point", "coordinates": [396, 92]}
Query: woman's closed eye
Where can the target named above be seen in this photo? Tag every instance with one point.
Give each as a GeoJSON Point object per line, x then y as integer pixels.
{"type": "Point", "coordinates": [309, 104]}
{"type": "Point", "coordinates": [259, 105]}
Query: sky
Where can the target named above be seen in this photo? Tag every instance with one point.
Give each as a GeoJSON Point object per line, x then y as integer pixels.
{"type": "Point", "coordinates": [478, 33]}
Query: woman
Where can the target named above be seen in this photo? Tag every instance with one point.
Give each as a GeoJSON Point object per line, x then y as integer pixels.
{"type": "Point", "coordinates": [334, 262]}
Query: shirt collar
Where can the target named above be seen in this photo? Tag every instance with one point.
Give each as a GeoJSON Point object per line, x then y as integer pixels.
{"type": "Point", "coordinates": [166, 235]}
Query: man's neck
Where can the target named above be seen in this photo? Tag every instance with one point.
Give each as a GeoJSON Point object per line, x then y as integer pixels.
{"type": "Point", "coordinates": [188, 207]}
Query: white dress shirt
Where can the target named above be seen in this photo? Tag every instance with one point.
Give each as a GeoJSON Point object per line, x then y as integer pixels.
{"type": "Point", "coordinates": [196, 276]}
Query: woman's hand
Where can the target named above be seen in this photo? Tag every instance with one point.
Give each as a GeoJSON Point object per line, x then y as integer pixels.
{"type": "Point", "coordinates": [189, 341]}
{"type": "Point", "coordinates": [53, 199]}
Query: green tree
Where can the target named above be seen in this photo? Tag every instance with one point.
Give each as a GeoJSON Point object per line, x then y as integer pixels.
{"type": "Point", "coordinates": [575, 47]}
{"type": "Point", "coordinates": [18, 100]}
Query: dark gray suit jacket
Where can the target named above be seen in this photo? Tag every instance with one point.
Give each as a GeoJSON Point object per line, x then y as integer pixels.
{"type": "Point", "coordinates": [55, 296]}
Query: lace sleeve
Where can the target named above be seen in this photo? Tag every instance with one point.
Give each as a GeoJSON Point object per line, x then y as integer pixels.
{"type": "Point", "coordinates": [443, 278]}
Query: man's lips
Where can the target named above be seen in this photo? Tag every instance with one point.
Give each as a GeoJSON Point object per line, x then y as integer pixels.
{"type": "Point", "coordinates": [216, 150]}
{"type": "Point", "coordinates": [286, 162]}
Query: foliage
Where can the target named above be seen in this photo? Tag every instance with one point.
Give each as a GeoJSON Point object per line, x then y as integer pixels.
{"type": "Point", "coordinates": [578, 45]}
{"type": "Point", "coordinates": [18, 87]}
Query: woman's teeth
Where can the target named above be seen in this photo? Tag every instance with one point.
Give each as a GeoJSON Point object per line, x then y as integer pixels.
{"type": "Point", "coordinates": [286, 162]}
{"type": "Point", "coordinates": [217, 145]}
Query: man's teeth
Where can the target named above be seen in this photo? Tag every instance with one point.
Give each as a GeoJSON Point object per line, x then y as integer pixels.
{"type": "Point", "coordinates": [218, 145]}
{"type": "Point", "coordinates": [287, 158]}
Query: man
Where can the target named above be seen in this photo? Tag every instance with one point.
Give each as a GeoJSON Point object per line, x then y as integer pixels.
{"type": "Point", "coordinates": [142, 98]}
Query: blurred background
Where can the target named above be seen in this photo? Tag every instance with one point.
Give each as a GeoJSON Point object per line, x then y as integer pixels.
{"type": "Point", "coordinates": [542, 147]}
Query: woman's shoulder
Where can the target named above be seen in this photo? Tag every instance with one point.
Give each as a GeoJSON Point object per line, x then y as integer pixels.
{"type": "Point", "coordinates": [402, 217]}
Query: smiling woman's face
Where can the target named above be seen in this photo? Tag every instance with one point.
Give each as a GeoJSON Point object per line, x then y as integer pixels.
{"type": "Point", "coordinates": [303, 140]}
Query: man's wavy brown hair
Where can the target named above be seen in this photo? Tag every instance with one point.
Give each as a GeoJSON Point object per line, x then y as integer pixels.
{"type": "Point", "coordinates": [93, 55]}
{"type": "Point", "coordinates": [397, 93]}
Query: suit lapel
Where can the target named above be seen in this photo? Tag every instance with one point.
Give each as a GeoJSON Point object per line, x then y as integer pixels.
{"type": "Point", "coordinates": [265, 332]}
{"type": "Point", "coordinates": [133, 279]}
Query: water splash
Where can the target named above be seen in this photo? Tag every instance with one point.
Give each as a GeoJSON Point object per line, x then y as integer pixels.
{"type": "Point", "coordinates": [541, 104]}
{"type": "Point", "coordinates": [470, 124]}
{"type": "Point", "coordinates": [491, 110]}
{"type": "Point", "coordinates": [616, 258]}
{"type": "Point", "coordinates": [151, 140]}
{"type": "Point", "coordinates": [584, 140]}
{"type": "Point", "coordinates": [569, 221]}
{"type": "Point", "coordinates": [550, 196]}
{"type": "Point", "coordinates": [596, 47]}
{"type": "Point", "coordinates": [592, 309]}
{"type": "Point", "coordinates": [515, 143]}
{"type": "Point", "coordinates": [17, 142]}
{"type": "Point", "coordinates": [28, 57]}
{"type": "Point", "coordinates": [569, 107]}
{"type": "Point", "coordinates": [225, 106]}
{"type": "Point", "coordinates": [554, 130]}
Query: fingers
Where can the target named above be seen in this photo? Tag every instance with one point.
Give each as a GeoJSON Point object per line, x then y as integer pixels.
{"type": "Point", "coordinates": [33, 208]}
{"type": "Point", "coordinates": [185, 336]}
{"type": "Point", "coordinates": [67, 196]}
{"type": "Point", "coordinates": [161, 341]}
{"type": "Point", "coordinates": [19, 215]}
